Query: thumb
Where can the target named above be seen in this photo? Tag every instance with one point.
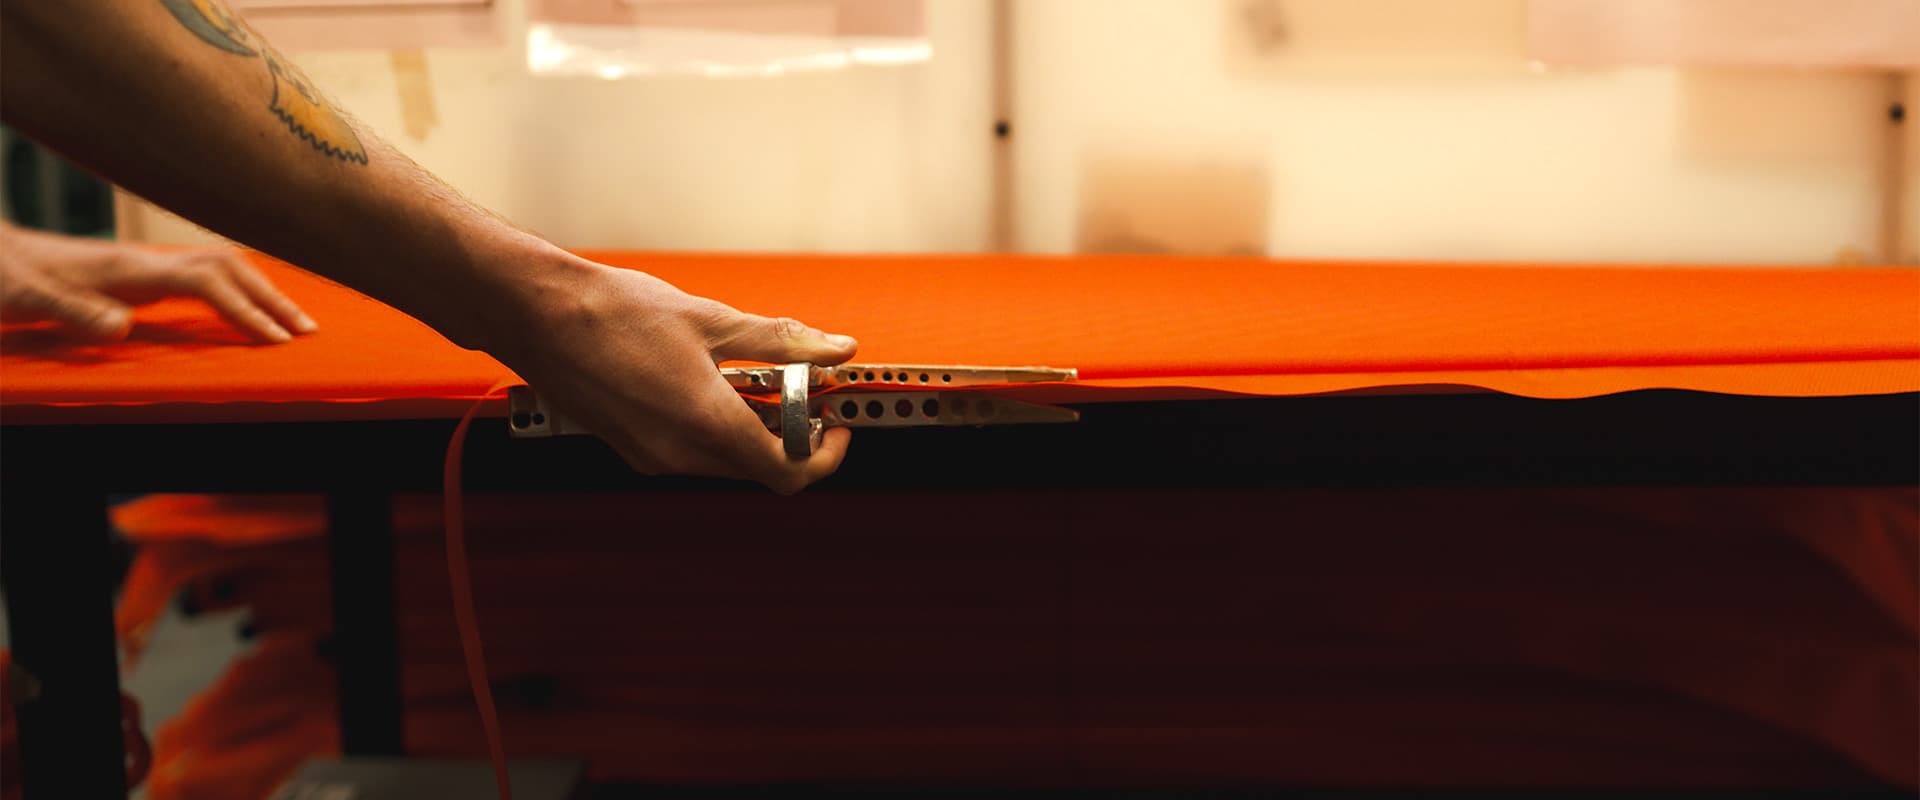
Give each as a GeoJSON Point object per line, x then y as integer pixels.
{"type": "Point", "coordinates": [83, 311]}
{"type": "Point", "coordinates": [781, 340]}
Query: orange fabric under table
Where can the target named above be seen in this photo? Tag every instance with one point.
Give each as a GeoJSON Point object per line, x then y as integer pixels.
{"type": "Point", "coordinates": [1596, 638]}
{"type": "Point", "coordinates": [1136, 327]}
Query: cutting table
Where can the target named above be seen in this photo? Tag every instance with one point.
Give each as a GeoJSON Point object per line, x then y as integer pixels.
{"type": "Point", "coordinates": [1193, 373]}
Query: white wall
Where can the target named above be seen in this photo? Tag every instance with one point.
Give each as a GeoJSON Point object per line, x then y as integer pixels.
{"type": "Point", "coordinates": [872, 158]}
{"type": "Point", "coordinates": [1415, 129]}
{"type": "Point", "coordinates": [1365, 129]}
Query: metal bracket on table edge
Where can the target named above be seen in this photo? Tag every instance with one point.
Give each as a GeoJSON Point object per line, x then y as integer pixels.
{"type": "Point", "coordinates": [812, 399]}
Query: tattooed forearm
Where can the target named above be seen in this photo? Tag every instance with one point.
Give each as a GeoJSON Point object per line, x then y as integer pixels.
{"type": "Point", "coordinates": [293, 101]}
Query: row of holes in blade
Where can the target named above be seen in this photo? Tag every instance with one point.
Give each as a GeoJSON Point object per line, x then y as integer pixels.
{"type": "Point", "coordinates": [869, 376]}
{"type": "Point", "coordinates": [849, 410]}
{"type": "Point", "coordinates": [851, 376]}
{"type": "Point", "coordinates": [904, 408]}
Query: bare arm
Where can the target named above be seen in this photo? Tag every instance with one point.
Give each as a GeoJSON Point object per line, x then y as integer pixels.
{"type": "Point", "coordinates": [184, 105]}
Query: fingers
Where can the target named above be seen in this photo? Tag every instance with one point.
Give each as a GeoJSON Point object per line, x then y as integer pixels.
{"type": "Point", "coordinates": [825, 461]}
{"type": "Point", "coordinates": [266, 295]}
{"type": "Point", "coordinates": [755, 452]}
{"type": "Point", "coordinates": [779, 340]}
{"type": "Point", "coordinates": [758, 453]}
{"type": "Point", "coordinates": [84, 312]}
{"type": "Point", "coordinates": [633, 359]}
{"type": "Point", "coordinates": [222, 278]}
{"type": "Point", "coordinates": [787, 475]}
{"type": "Point", "coordinates": [728, 440]}
{"type": "Point", "coordinates": [222, 291]}
{"type": "Point", "coordinates": [750, 451]}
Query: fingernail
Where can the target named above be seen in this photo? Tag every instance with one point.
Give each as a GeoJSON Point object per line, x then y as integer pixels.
{"type": "Point", "coordinates": [116, 320]}
{"type": "Point", "coordinates": [114, 324]}
{"type": "Point", "coordinates": [838, 340]}
{"type": "Point", "coordinates": [305, 324]}
{"type": "Point", "coordinates": [277, 334]}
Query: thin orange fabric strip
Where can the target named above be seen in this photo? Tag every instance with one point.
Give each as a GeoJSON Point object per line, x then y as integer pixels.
{"type": "Point", "coordinates": [460, 582]}
{"type": "Point", "coordinates": [1138, 328]}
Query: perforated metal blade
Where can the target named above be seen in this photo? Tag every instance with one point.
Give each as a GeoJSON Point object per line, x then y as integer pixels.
{"type": "Point", "coordinates": [850, 396]}
{"type": "Point", "coordinates": [918, 409]}
{"type": "Point", "coordinates": [892, 376]}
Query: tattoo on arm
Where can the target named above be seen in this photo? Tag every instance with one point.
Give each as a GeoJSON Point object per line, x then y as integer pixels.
{"type": "Point", "coordinates": [213, 23]}
{"type": "Point", "coordinates": [308, 115]}
{"type": "Point", "coordinates": [294, 101]}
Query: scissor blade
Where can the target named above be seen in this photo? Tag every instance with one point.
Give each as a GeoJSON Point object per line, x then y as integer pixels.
{"type": "Point", "coordinates": [931, 376]}
{"type": "Point", "coordinates": [916, 409]}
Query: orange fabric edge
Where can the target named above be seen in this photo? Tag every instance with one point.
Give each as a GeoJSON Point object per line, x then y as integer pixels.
{"type": "Point", "coordinates": [1798, 379]}
{"type": "Point", "coordinates": [1802, 379]}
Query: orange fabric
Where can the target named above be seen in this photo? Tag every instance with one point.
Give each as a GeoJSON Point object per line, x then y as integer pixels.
{"type": "Point", "coordinates": [1136, 327]}
{"type": "Point", "coordinates": [273, 707]}
{"type": "Point", "coordinates": [459, 579]}
{"type": "Point", "coordinates": [269, 712]}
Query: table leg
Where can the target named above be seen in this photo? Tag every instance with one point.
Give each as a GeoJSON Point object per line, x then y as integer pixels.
{"type": "Point", "coordinates": [367, 653]}
{"type": "Point", "coordinates": [56, 567]}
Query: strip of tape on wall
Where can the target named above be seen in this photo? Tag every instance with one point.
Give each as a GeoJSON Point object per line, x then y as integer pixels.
{"type": "Point", "coordinates": [418, 112]}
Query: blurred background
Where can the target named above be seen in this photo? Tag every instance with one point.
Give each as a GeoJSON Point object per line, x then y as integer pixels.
{"type": "Point", "coordinates": [1760, 132]}
{"type": "Point", "coordinates": [1376, 129]}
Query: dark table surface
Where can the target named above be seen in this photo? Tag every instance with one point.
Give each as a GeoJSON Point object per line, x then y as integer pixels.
{"type": "Point", "coordinates": [57, 479]}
